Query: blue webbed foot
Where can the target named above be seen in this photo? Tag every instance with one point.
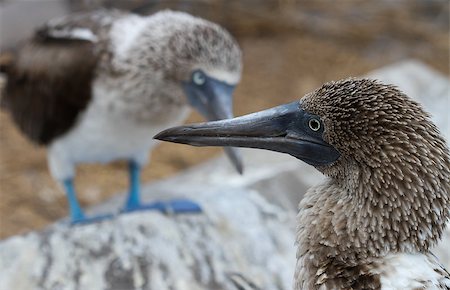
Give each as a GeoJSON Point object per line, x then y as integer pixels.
{"type": "Point", "coordinates": [170, 206]}
{"type": "Point", "coordinates": [133, 202]}
{"type": "Point", "coordinates": [89, 220]}
{"type": "Point", "coordinates": [184, 206]}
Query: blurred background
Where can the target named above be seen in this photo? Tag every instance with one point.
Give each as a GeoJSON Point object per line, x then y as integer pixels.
{"type": "Point", "coordinates": [290, 47]}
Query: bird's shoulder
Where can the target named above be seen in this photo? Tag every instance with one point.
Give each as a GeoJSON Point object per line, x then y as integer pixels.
{"type": "Point", "coordinates": [412, 271]}
{"type": "Point", "coordinates": [91, 26]}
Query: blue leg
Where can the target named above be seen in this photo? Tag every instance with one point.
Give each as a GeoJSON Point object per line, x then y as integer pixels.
{"type": "Point", "coordinates": [76, 213]}
{"type": "Point", "coordinates": [134, 196]}
{"type": "Point", "coordinates": [133, 202]}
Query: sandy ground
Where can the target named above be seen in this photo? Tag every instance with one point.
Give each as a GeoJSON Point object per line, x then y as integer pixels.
{"type": "Point", "coordinates": [281, 63]}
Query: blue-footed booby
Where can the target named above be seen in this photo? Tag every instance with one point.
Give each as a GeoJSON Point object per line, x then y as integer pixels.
{"type": "Point", "coordinates": [386, 199]}
{"type": "Point", "coordinates": [96, 87]}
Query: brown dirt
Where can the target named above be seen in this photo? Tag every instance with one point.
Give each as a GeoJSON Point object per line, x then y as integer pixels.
{"type": "Point", "coordinates": [281, 63]}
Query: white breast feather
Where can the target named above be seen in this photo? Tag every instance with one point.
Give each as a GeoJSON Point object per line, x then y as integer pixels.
{"type": "Point", "coordinates": [104, 135]}
{"type": "Point", "coordinates": [412, 271]}
{"type": "Point", "coordinates": [124, 33]}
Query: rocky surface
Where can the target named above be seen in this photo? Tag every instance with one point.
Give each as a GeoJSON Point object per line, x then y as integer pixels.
{"type": "Point", "coordinates": [247, 225]}
{"type": "Point", "coordinates": [238, 232]}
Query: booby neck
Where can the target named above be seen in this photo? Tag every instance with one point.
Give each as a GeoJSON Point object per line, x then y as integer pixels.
{"type": "Point", "coordinates": [397, 182]}
{"type": "Point", "coordinates": [384, 196]}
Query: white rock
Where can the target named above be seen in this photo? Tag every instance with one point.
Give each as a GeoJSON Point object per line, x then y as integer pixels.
{"type": "Point", "coordinates": [238, 232]}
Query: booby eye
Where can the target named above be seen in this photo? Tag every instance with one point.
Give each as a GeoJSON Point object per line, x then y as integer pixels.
{"type": "Point", "coordinates": [198, 78]}
{"type": "Point", "coordinates": [314, 124]}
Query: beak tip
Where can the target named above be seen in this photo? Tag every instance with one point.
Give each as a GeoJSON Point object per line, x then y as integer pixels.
{"type": "Point", "coordinates": [235, 158]}
{"type": "Point", "coordinates": [166, 135]}
{"type": "Point", "coordinates": [237, 164]}
{"type": "Point", "coordinates": [239, 167]}
{"type": "Point", "coordinates": [159, 136]}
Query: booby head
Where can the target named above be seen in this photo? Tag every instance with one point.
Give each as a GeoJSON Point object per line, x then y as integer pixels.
{"type": "Point", "coordinates": [378, 146]}
{"type": "Point", "coordinates": [206, 61]}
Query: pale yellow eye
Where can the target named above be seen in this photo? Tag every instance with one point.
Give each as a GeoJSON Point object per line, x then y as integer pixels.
{"type": "Point", "coordinates": [314, 125]}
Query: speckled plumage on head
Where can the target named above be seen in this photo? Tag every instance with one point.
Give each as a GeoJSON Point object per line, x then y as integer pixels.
{"type": "Point", "coordinates": [201, 44]}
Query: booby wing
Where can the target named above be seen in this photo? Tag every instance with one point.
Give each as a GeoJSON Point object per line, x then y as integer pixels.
{"type": "Point", "coordinates": [49, 81]}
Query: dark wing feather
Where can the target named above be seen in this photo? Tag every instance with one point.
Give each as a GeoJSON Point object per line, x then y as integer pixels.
{"type": "Point", "coordinates": [48, 85]}
{"type": "Point", "coordinates": [49, 82]}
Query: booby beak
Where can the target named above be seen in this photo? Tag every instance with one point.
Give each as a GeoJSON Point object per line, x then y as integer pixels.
{"type": "Point", "coordinates": [213, 99]}
{"type": "Point", "coordinates": [286, 128]}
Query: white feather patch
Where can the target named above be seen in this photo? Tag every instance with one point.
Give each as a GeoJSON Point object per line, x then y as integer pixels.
{"type": "Point", "coordinates": [74, 33]}
{"type": "Point", "coordinates": [412, 271]}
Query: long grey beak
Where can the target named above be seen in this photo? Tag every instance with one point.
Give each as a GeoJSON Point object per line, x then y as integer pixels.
{"type": "Point", "coordinates": [282, 129]}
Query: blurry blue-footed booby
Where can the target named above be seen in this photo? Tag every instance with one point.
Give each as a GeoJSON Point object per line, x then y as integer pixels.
{"type": "Point", "coordinates": [96, 87]}
{"type": "Point", "coordinates": [386, 202]}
